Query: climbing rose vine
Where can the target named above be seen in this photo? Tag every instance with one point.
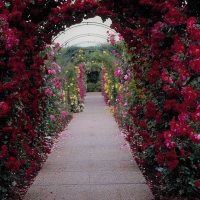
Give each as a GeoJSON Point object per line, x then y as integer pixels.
{"type": "Point", "coordinates": [55, 107]}
{"type": "Point", "coordinates": [163, 124]}
{"type": "Point", "coordinates": [75, 87]}
{"type": "Point", "coordinates": [163, 40]}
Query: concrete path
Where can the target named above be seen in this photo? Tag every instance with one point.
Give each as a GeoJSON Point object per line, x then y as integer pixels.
{"type": "Point", "coordinates": [89, 163]}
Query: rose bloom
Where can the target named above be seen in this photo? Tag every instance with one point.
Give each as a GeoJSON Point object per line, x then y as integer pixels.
{"type": "Point", "coordinates": [160, 158]}
{"type": "Point", "coordinates": [158, 174]}
{"type": "Point", "coordinates": [166, 78]}
{"type": "Point", "coordinates": [150, 110]}
{"type": "Point", "coordinates": [4, 109]}
{"type": "Point", "coordinates": [191, 22]}
{"type": "Point", "coordinates": [64, 113]}
{"type": "Point", "coordinates": [51, 71]}
{"type": "Point", "coordinates": [197, 184]}
{"type": "Point", "coordinates": [152, 76]}
{"type": "Point", "coordinates": [48, 92]}
{"type": "Point", "coordinates": [52, 117]}
{"type": "Point", "coordinates": [15, 16]}
{"type": "Point", "coordinates": [171, 160]}
{"type": "Point", "coordinates": [167, 135]}
{"type": "Point", "coordinates": [143, 124]}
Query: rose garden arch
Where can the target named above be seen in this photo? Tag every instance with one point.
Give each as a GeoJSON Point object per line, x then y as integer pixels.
{"type": "Point", "coordinates": [163, 39]}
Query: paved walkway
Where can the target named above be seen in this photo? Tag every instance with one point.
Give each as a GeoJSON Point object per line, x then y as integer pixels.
{"type": "Point", "coordinates": [89, 162]}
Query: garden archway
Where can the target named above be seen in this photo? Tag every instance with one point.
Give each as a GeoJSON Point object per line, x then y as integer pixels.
{"type": "Point", "coordinates": [87, 42]}
{"type": "Point", "coordinates": [163, 39]}
{"type": "Point", "coordinates": [83, 35]}
{"type": "Point", "coordinates": [85, 24]}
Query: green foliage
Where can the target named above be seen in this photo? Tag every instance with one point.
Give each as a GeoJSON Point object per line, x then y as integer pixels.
{"type": "Point", "coordinates": [93, 66]}
{"type": "Point", "coordinates": [92, 77]}
{"type": "Point", "coordinates": [93, 87]}
{"type": "Point", "coordinates": [70, 55]}
{"type": "Point", "coordinates": [94, 57]}
{"type": "Point", "coordinates": [56, 108]}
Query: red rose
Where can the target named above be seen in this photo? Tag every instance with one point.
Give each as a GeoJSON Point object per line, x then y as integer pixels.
{"type": "Point", "coordinates": [28, 151]}
{"type": "Point", "coordinates": [152, 76]}
{"type": "Point", "coordinates": [33, 165]}
{"type": "Point", "coordinates": [171, 160]}
{"type": "Point", "coordinates": [191, 22]}
{"type": "Point", "coordinates": [160, 158]}
{"type": "Point", "coordinates": [23, 161]}
{"type": "Point", "coordinates": [169, 104]}
{"type": "Point", "coordinates": [167, 135]}
{"type": "Point", "coordinates": [145, 135]}
{"type": "Point", "coordinates": [15, 16]}
{"type": "Point", "coordinates": [158, 117]}
{"type": "Point", "coordinates": [194, 50]}
{"type": "Point", "coordinates": [143, 124]}
{"type": "Point", "coordinates": [158, 145]}
{"type": "Point", "coordinates": [139, 161]}
{"type": "Point", "coordinates": [4, 150]}
{"type": "Point", "coordinates": [172, 164]}
{"type": "Point", "coordinates": [41, 2]}
{"type": "Point", "coordinates": [197, 184]}
{"type": "Point", "coordinates": [4, 109]}
{"type": "Point", "coordinates": [150, 110]}
{"type": "Point", "coordinates": [28, 173]}
{"type": "Point", "coordinates": [158, 174]}
{"type": "Point", "coordinates": [7, 129]}
{"type": "Point", "coordinates": [194, 64]}
{"type": "Point", "coordinates": [179, 46]}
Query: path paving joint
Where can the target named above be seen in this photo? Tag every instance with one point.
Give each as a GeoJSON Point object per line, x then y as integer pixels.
{"type": "Point", "coordinates": [89, 163]}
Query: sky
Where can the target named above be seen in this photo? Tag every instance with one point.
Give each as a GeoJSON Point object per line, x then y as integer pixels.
{"type": "Point", "coordinates": [84, 34]}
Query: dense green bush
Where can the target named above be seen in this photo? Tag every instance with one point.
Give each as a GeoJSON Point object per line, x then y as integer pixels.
{"type": "Point", "coordinates": [93, 87]}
